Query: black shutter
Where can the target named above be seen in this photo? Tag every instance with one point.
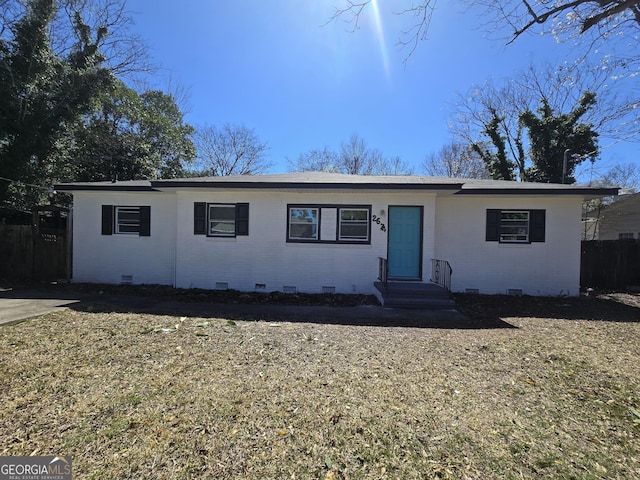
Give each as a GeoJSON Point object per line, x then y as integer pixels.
{"type": "Point", "coordinates": [199, 218]}
{"type": "Point", "coordinates": [145, 221]}
{"type": "Point", "coordinates": [537, 225]}
{"type": "Point", "coordinates": [107, 219]}
{"type": "Point", "coordinates": [493, 225]}
{"type": "Point", "coordinates": [242, 219]}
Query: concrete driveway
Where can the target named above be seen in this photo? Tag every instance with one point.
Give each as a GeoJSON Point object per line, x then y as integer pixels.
{"type": "Point", "coordinates": [19, 305]}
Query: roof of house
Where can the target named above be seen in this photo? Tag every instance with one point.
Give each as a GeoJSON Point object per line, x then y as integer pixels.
{"type": "Point", "coordinates": [322, 180]}
{"type": "Point", "coordinates": [624, 204]}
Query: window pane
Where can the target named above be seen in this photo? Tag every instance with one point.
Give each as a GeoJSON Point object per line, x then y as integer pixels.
{"type": "Point", "coordinates": [309, 215]}
{"type": "Point", "coordinates": [128, 228]}
{"type": "Point", "coordinates": [222, 212]}
{"type": "Point", "coordinates": [514, 230]}
{"type": "Point", "coordinates": [302, 230]}
{"type": "Point", "coordinates": [354, 231]}
{"type": "Point", "coordinates": [511, 216]}
{"type": "Point", "coordinates": [513, 238]}
{"type": "Point", "coordinates": [361, 215]}
{"type": "Point", "coordinates": [514, 226]}
{"type": "Point", "coordinates": [354, 224]}
{"type": "Point", "coordinates": [127, 219]}
{"type": "Point", "coordinates": [222, 220]}
{"type": "Point", "coordinates": [222, 228]}
{"type": "Point", "coordinates": [303, 223]}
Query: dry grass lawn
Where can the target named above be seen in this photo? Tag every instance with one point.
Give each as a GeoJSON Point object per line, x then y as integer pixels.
{"type": "Point", "coordinates": [143, 396]}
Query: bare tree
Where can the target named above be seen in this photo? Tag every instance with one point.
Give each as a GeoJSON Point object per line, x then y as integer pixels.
{"type": "Point", "coordinates": [566, 18]}
{"type": "Point", "coordinates": [229, 150]}
{"type": "Point", "coordinates": [604, 34]}
{"type": "Point", "coordinates": [107, 24]}
{"type": "Point", "coordinates": [394, 166]}
{"type": "Point", "coordinates": [493, 112]}
{"type": "Point", "coordinates": [622, 176]}
{"type": "Point", "coordinates": [490, 113]}
{"type": "Point", "coordinates": [420, 12]}
{"type": "Point", "coordinates": [455, 160]}
{"type": "Point", "coordinates": [111, 23]}
{"type": "Point", "coordinates": [355, 157]}
{"type": "Point", "coordinates": [316, 160]}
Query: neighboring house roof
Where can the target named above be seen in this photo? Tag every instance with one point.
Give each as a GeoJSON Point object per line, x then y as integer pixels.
{"type": "Point", "coordinates": [624, 203]}
{"type": "Point", "coordinates": [321, 180]}
{"type": "Point", "coordinates": [620, 216]}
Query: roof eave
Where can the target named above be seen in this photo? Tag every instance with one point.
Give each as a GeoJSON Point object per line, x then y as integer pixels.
{"type": "Point", "coordinates": [593, 192]}
{"type": "Point", "coordinates": [103, 188]}
{"type": "Point", "coordinates": [305, 185]}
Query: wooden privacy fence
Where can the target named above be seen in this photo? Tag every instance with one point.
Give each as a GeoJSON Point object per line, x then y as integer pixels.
{"type": "Point", "coordinates": [610, 264]}
{"type": "Point", "coordinates": [31, 253]}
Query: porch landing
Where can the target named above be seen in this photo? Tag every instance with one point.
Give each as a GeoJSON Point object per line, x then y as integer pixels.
{"type": "Point", "coordinates": [413, 295]}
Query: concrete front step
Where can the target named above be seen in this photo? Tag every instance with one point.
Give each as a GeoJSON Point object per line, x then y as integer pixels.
{"type": "Point", "coordinates": [413, 295]}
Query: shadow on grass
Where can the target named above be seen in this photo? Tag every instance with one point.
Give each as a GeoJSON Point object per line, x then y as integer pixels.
{"type": "Point", "coordinates": [606, 307]}
{"type": "Point", "coordinates": [355, 310]}
{"type": "Point", "coordinates": [473, 311]}
{"type": "Point", "coordinates": [364, 315]}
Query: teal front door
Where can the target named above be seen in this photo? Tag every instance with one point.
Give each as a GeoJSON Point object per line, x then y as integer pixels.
{"type": "Point", "coordinates": [404, 253]}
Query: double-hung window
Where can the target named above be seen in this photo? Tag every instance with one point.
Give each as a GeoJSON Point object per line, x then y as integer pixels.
{"type": "Point", "coordinates": [354, 224]}
{"type": "Point", "coordinates": [515, 226]}
{"type": "Point", "coordinates": [303, 223]}
{"type": "Point", "coordinates": [220, 219]}
{"type": "Point", "coordinates": [126, 220]}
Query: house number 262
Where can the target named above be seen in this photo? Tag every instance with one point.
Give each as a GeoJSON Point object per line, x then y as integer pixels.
{"type": "Point", "coordinates": [376, 219]}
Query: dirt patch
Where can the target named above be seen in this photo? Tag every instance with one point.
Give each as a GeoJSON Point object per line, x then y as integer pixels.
{"type": "Point", "coordinates": [195, 295]}
{"type": "Point", "coordinates": [149, 396]}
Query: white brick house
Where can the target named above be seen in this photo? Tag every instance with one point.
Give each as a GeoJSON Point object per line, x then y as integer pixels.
{"type": "Point", "coordinates": [319, 232]}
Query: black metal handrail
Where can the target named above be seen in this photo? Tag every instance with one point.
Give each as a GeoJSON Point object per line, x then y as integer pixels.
{"type": "Point", "coordinates": [441, 273]}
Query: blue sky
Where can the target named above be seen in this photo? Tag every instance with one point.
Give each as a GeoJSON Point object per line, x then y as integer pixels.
{"type": "Point", "coordinates": [277, 67]}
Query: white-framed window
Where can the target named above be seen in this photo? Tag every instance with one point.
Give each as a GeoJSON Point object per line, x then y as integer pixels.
{"type": "Point", "coordinates": [127, 221]}
{"type": "Point", "coordinates": [303, 223]}
{"type": "Point", "coordinates": [222, 220]}
{"type": "Point", "coordinates": [514, 226]}
{"type": "Point", "coordinates": [353, 224]}
{"type": "Point", "coordinates": [326, 223]}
